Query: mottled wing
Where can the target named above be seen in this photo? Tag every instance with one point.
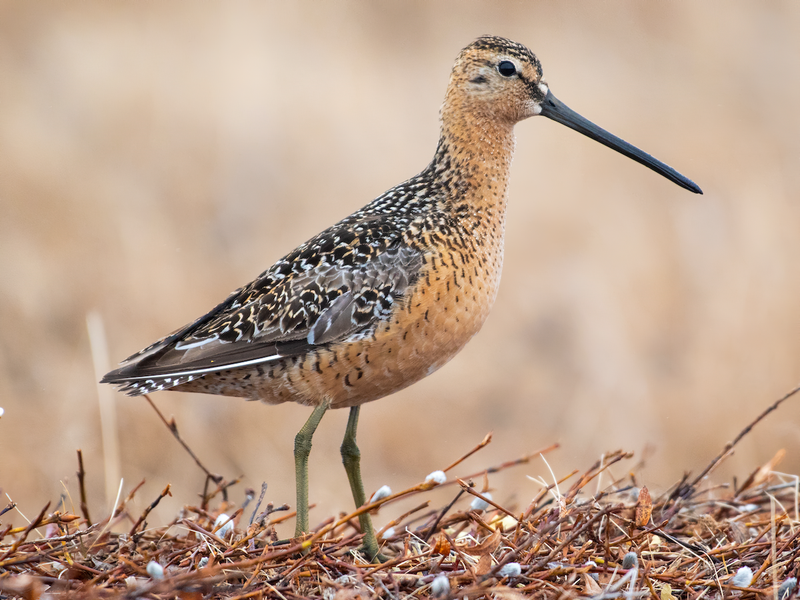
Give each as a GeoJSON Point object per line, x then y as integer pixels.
{"type": "Point", "coordinates": [338, 285]}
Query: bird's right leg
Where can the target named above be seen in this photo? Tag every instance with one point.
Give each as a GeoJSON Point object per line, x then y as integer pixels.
{"type": "Point", "coordinates": [302, 448]}
{"type": "Point", "coordinates": [351, 457]}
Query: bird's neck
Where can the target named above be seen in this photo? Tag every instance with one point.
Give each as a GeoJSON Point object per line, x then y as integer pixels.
{"type": "Point", "coordinates": [472, 163]}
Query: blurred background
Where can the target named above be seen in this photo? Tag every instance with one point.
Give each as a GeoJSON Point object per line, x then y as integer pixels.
{"type": "Point", "coordinates": [156, 156]}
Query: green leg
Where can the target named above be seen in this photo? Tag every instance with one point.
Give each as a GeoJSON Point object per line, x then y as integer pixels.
{"type": "Point", "coordinates": [302, 448]}
{"type": "Point", "coordinates": [351, 457]}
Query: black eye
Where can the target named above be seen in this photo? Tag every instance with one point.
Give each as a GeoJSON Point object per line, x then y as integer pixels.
{"type": "Point", "coordinates": [506, 68]}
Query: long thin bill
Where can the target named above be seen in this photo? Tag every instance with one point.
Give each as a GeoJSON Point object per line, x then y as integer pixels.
{"type": "Point", "coordinates": [554, 109]}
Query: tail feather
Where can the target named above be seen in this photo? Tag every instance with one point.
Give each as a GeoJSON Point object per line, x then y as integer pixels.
{"type": "Point", "coordinates": [139, 387]}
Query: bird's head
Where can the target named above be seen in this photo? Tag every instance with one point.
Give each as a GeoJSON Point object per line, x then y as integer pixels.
{"type": "Point", "coordinates": [495, 77]}
{"type": "Point", "coordinates": [496, 83]}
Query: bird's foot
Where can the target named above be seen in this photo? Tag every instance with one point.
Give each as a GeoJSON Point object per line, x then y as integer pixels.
{"type": "Point", "coordinates": [371, 551]}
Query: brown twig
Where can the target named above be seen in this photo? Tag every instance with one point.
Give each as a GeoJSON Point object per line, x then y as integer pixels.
{"type": "Point", "coordinates": [173, 427]}
{"type": "Point", "coordinates": [441, 515]}
{"type": "Point", "coordinates": [522, 460]}
{"type": "Point", "coordinates": [260, 500]}
{"type": "Point", "coordinates": [222, 486]}
{"type": "Point", "coordinates": [31, 526]}
{"type": "Point", "coordinates": [10, 506]}
{"type": "Point", "coordinates": [485, 442]}
{"type": "Point", "coordinates": [729, 446]}
{"type": "Point", "coordinates": [153, 504]}
{"type": "Point", "coordinates": [82, 486]}
{"type": "Point", "coordinates": [542, 493]}
{"type": "Point", "coordinates": [468, 488]}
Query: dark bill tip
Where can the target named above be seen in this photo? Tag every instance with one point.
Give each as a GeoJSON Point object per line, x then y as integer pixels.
{"type": "Point", "coordinates": [554, 109]}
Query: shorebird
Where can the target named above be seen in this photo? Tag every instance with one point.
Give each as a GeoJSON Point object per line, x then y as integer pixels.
{"type": "Point", "coordinates": [389, 294]}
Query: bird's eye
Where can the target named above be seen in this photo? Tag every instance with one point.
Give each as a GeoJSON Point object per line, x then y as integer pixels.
{"type": "Point", "coordinates": [506, 68]}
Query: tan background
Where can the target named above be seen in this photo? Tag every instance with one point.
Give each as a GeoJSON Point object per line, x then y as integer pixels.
{"type": "Point", "coordinates": [155, 156]}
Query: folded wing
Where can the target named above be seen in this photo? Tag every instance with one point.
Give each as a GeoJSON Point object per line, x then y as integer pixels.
{"type": "Point", "coordinates": [338, 285]}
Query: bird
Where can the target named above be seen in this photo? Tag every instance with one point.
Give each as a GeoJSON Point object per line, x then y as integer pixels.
{"type": "Point", "coordinates": [390, 293]}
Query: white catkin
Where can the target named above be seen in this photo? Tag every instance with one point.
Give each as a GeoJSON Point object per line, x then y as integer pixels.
{"type": "Point", "coordinates": [480, 504]}
{"type": "Point", "coordinates": [787, 588]}
{"type": "Point", "coordinates": [630, 560]}
{"type": "Point", "coordinates": [388, 533]}
{"type": "Point", "coordinates": [437, 477]}
{"type": "Point", "coordinates": [440, 586]}
{"type": "Point", "coordinates": [511, 569]}
{"type": "Point", "coordinates": [743, 577]}
{"type": "Point", "coordinates": [383, 492]}
{"type": "Point", "coordinates": [592, 564]}
{"type": "Point", "coordinates": [155, 570]}
{"type": "Point", "coordinates": [227, 525]}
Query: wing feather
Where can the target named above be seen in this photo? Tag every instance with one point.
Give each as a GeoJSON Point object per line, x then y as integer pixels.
{"type": "Point", "coordinates": [339, 284]}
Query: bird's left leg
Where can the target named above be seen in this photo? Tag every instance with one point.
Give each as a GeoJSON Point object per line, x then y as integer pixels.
{"type": "Point", "coordinates": [302, 448]}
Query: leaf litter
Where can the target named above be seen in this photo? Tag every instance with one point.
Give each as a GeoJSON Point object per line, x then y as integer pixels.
{"type": "Point", "coordinates": [575, 539]}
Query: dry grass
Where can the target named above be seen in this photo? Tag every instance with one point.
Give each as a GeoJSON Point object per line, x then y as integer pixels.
{"type": "Point", "coordinates": [593, 535]}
